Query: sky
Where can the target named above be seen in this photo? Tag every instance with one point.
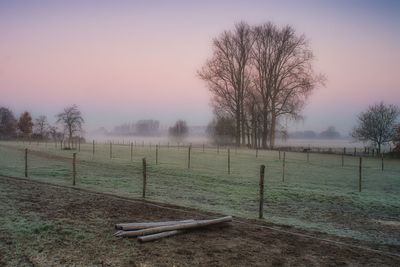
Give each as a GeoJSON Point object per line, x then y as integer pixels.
{"type": "Point", "coordinates": [121, 61]}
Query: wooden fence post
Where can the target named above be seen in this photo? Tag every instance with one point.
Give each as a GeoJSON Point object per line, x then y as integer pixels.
{"type": "Point", "coordinates": [355, 151]}
{"type": "Point", "coordinates": [279, 151]}
{"type": "Point", "coordinates": [360, 175]}
{"type": "Point", "coordinates": [73, 168]}
{"type": "Point", "coordinates": [26, 162]}
{"type": "Point", "coordinates": [190, 147]}
{"type": "Point", "coordinates": [217, 149]}
{"type": "Point", "coordinates": [256, 152]}
{"type": "Point", "coordinates": [79, 144]}
{"type": "Point", "coordinates": [261, 207]}
{"type": "Point", "coordinates": [93, 149]}
{"type": "Point", "coordinates": [144, 177]}
{"type": "Point", "coordinates": [283, 166]}
{"type": "Point", "coordinates": [308, 156]}
{"type": "Point", "coordinates": [110, 150]}
{"type": "Point", "coordinates": [382, 161]}
{"type": "Point", "coordinates": [156, 154]}
{"type": "Point", "coordinates": [229, 161]}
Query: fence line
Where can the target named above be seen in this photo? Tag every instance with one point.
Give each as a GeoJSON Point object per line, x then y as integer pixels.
{"type": "Point", "coordinates": [144, 167]}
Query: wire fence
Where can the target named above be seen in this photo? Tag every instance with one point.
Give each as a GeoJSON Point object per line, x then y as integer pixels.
{"type": "Point", "coordinates": [302, 189]}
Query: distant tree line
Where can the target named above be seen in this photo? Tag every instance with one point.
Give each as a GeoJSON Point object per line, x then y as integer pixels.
{"type": "Point", "coordinates": [141, 128]}
{"type": "Point", "coordinates": [178, 132]}
{"type": "Point", "coordinates": [258, 75]}
{"type": "Point", "coordinates": [329, 133]}
{"type": "Point", "coordinates": [67, 127]}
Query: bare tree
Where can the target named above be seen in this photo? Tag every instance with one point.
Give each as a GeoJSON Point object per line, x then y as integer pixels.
{"type": "Point", "coordinates": [283, 76]}
{"type": "Point", "coordinates": [54, 133]}
{"type": "Point", "coordinates": [41, 126]}
{"type": "Point", "coordinates": [377, 124]}
{"type": "Point", "coordinates": [72, 120]}
{"type": "Point", "coordinates": [222, 130]}
{"type": "Point", "coordinates": [8, 123]}
{"type": "Point", "coordinates": [179, 131]}
{"type": "Point", "coordinates": [227, 76]}
{"type": "Point", "coordinates": [25, 124]}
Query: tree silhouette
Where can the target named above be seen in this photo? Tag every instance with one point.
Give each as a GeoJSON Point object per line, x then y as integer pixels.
{"type": "Point", "coordinates": [377, 124]}
{"type": "Point", "coordinates": [179, 131]}
{"type": "Point", "coordinates": [72, 120]}
{"type": "Point", "coordinates": [25, 124]}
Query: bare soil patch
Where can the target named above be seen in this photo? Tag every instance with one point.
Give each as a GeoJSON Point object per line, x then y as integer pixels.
{"type": "Point", "coordinates": [79, 228]}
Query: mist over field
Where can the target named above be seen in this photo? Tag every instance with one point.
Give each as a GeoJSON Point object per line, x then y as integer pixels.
{"type": "Point", "coordinates": [131, 61]}
{"type": "Point", "coordinates": [199, 133]}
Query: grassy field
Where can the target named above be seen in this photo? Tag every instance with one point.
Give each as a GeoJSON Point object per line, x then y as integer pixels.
{"type": "Point", "coordinates": [317, 195]}
{"type": "Point", "coordinates": [45, 225]}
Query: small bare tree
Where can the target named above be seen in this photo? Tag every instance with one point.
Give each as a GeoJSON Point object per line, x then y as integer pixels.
{"type": "Point", "coordinates": [8, 123]}
{"type": "Point", "coordinates": [179, 131]}
{"type": "Point", "coordinates": [54, 133]}
{"type": "Point", "coordinates": [41, 126]}
{"type": "Point", "coordinates": [25, 124]}
{"type": "Point", "coordinates": [377, 125]}
{"type": "Point", "coordinates": [72, 120]}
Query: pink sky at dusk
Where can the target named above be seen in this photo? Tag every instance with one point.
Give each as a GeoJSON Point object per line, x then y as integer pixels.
{"type": "Point", "coordinates": [122, 61]}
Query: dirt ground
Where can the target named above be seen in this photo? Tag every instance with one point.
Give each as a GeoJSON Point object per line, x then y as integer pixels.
{"type": "Point", "coordinates": [46, 225]}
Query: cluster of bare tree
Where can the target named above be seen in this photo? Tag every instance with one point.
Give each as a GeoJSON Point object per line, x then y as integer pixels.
{"type": "Point", "coordinates": [329, 133]}
{"type": "Point", "coordinates": [258, 75]}
{"type": "Point", "coordinates": [25, 127]}
{"type": "Point", "coordinates": [141, 127]}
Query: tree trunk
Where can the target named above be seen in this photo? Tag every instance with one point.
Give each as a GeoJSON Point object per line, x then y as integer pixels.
{"type": "Point", "coordinates": [243, 121]}
{"type": "Point", "coordinates": [237, 125]}
{"type": "Point", "coordinates": [248, 134]}
{"type": "Point", "coordinates": [253, 129]}
{"type": "Point", "coordinates": [264, 136]}
{"type": "Point", "coordinates": [70, 138]}
{"type": "Point", "coordinates": [272, 131]}
{"type": "Point", "coordinates": [137, 226]}
{"type": "Point", "coordinates": [192, 225]}
{"type": "Point", "coordinates": [153, 237]}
